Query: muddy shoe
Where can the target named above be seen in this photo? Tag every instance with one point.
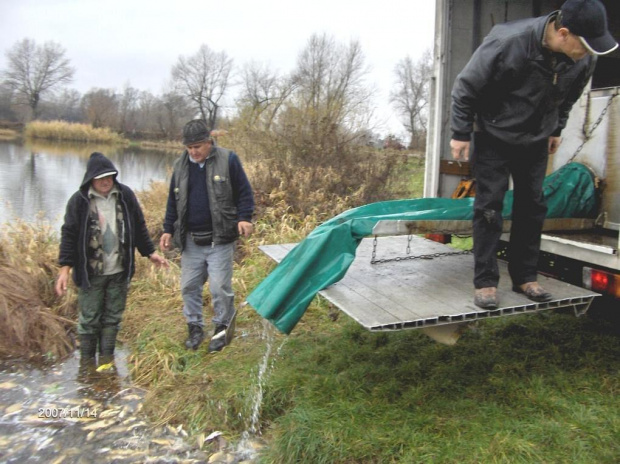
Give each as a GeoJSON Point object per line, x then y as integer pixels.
{"type": "Point", "coordinates": [486, 298]}
{"type": "Point", "coordinates": [218, 341]}
{"type": "Point", "coordinates": [195, 337]}
{"type": "Point", "coordinates": [533, 291]}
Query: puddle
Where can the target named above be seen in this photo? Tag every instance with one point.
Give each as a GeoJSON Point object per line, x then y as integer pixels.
{"type": "Point", "coordinates": [67, 414]}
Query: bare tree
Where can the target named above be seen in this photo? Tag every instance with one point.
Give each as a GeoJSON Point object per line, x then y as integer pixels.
{"type": "Point", "coordinates": [263, 94]}
{"type": "Point", "coordinates": [34, 70]}
{"type": "Point", "coordinates": [128, 108]}
{"type": "Point", "coordinates": [204, 79]}
{"type": "Point", "coordinates": [331, 82]}
{"type": "Point", "coordinates": [64, 105]}
{"type": "Point", "coordinates": [411, 94]}
{"type": "Point", "coordinates": [100, 107]}
{"type": "Point", "coordinates": [172, 111]}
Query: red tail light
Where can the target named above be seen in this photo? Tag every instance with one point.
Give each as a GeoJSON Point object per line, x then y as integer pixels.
{"type": "Point", "coordinates": [601, 281]}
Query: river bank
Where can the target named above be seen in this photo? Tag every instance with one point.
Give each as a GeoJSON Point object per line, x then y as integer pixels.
{"type": "Point", "coordinates": [527, 388]}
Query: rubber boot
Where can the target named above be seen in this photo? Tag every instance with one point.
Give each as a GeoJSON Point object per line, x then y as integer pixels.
{"type": "Point", "coordinates": [88, 360]}
{"type": "Point", "coordinates": [88, 346]}
{"type": "Point", "coordinates": [107, 342]}
{"type": "Point", "coordinates": [195, 336]}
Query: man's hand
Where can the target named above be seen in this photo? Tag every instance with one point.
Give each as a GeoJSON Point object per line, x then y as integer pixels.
{"type": "Point", "coordinates": [62, 280]}
{"type": "Point", "coordinates": [460, 149]}
{"type": "Point", "coordinates": [158, 260]}
{"type": "Point", "coordinates": [165, 241]}
{"type": "Point", "coordinates": [554, 144]}
{"type": "Point", "coordinates": [245, 228]}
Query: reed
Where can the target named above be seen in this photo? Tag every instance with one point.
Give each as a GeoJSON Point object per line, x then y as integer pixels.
{"type": "Point", "coordinates": [34, 323]}
{"type": "Point", "coordinates": [8, 134]}
{"type": "Point", "coordinates": [66, 131]}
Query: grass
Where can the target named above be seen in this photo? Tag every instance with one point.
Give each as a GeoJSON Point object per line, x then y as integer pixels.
{"type": "Point", "coordinates": [521, 389]}
{"type": "Point", "coordinates": [66, 131]}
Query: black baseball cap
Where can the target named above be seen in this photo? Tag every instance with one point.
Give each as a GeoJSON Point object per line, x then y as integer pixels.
{"type": "Point", "coordinates": [587, 19]}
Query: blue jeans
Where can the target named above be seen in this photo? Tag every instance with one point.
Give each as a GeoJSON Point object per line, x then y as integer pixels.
{"type": "Point", "coordinates": [212, 263]}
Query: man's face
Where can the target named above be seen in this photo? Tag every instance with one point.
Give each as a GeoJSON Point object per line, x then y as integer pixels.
{"type": "Point", "coordinates": [199, 151]}
{"type": "Point", "coordinates": [573, 47]}
{"type": "Point", "coordinates": [104, 185]}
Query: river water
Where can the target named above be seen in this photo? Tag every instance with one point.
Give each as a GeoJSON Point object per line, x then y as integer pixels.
{"type": "Point", "coordinates": [66, 414]}
{"type": "Point", "coordinates": [38, 177]}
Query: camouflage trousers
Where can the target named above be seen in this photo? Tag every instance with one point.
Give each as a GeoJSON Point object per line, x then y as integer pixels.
{"type": "Point", "coordinates": [102, 304]}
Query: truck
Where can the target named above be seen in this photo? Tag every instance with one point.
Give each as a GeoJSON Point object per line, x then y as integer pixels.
{"type": "Point", "coordinates": [587, 255]}
{"type": "Point", "coordinates": [401, 277]}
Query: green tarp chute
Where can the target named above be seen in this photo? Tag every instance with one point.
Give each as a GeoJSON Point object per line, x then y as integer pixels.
{"type": "Point", "coordinates": [324, 256]}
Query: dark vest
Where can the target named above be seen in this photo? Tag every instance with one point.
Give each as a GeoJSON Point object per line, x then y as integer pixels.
{"type": "Point", "coordinates": [221, 201]}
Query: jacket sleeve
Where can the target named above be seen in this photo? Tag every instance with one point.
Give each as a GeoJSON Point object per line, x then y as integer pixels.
{"type": "Point", "coordinates": [243, 195]}
{"type": "Point", "coordinates": [574, 94]}
{"type": "Point", "coordinates": [485, 66]}
{"type": "Point", "coordinates": [171, 210]}
{"type": "Point", "coordinates": [69, 235]}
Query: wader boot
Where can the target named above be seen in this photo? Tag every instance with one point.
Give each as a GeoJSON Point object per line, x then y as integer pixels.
{"type": "Point", "coordinates": [195, 337]}
{"type": "Point", "coordinates": [88, 346]}
{"type": "Point", "coordinates": [108, 341]}
{"type": "Point", "coordinates": [88, 353]}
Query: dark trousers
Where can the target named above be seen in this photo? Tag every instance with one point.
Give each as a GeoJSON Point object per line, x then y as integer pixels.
{"type": "Point", "coordinates": [493, 163]}
{"type": "Point", "coordinates": [102, 305]}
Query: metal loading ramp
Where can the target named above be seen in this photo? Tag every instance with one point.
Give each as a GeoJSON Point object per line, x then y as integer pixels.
{"type": "Point", "coordinates": [423, 293]}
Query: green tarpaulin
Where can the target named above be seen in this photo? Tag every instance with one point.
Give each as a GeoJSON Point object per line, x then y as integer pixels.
{"type": "Point", "coordinates": [323, 257]}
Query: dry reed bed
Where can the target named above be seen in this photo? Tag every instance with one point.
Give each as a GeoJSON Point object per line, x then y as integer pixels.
{"type": "Point", "coordinates": [34, 323]}
{"type": "Point", "coordinates": [64, 131]}
{"type": "Point", "coordinates": [8, 134]}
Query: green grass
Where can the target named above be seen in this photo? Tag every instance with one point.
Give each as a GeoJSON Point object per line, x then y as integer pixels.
{"type": "Point", "coordinates": [540, 388]}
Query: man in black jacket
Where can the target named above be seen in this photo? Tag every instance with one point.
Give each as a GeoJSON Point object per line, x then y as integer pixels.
{"type": "Point", "coordinates": [515, 95]}
{"type": "Point", "coordinates": [103, 225]}
{"type": "Point", "coordinates": [210, 204]}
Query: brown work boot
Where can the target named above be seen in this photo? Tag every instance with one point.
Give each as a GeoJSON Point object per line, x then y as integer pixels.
{"type": "Point", "coordinates": [486, 298]}
{"type": "Point", "coordinates": [533, 291]}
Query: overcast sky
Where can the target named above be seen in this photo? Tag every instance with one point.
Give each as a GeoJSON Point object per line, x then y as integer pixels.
{"type": "Point", "coordinates": [112, 43]}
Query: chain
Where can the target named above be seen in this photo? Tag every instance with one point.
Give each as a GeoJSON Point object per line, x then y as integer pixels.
{"type": "Point", "coordinates": [588, 133]}
{"type": "Point", "coordinates": [374, 259]}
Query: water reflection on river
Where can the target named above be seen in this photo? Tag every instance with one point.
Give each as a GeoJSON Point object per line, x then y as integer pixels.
{"type": "Point", "coordinates": [38, 177]}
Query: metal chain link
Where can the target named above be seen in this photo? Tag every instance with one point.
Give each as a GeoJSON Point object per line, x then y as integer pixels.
{"type": "Point", "coordinates": [587, 136]}
{"type": "Point", "coordinates": [588, 133]}
{"type": "Point", "coordinates": [374, 259]}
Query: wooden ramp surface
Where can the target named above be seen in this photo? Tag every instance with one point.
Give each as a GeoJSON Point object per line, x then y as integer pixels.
{"type": "Point", "coordinates": [418, 293]}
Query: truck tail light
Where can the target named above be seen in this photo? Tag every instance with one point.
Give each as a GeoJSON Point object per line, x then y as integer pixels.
{"type": "Point", "coordinates": [601, 281]}
{"type": "Point", "coordinates": [439, 238]}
